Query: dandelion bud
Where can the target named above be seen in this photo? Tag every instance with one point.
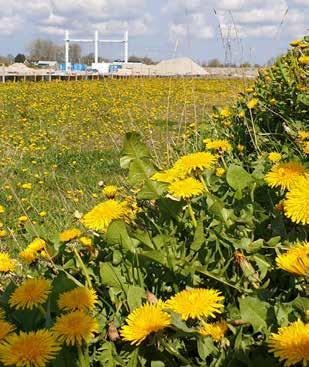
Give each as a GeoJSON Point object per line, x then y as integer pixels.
{"type": "Point", "coordinates": [151, 298]}
{"type": "Point", "coordinates": [112, 332]}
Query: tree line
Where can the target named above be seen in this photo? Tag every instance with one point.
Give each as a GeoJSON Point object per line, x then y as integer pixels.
{"type": "Point", "coordinates": [46, 50]}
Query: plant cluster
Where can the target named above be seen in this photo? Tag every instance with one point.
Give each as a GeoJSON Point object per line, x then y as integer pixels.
{"type": "Point", "coordinates": [204, 262]}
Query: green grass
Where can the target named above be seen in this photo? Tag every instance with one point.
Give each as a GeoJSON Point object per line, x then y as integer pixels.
{"type": "Point", "coordinates": [64, 138]}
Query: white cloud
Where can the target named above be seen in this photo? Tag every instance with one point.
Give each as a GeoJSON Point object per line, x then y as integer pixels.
{"type": "Point", "coordinates": [301, 2]}
{"type": "Point", "coordinates": [51, 17]}
{"type": "Point", "coordinates": [10, 25]}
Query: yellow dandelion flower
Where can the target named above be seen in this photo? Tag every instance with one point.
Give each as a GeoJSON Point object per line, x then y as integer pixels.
{"type": "Point", "coordinates": [242, 114]}
{"type": "Point", "coordinates": [5, 329]}
{"type": "Point", "coordinates": [252, 103]}
{"type": "Point", "coordinates": [31, 293]}
{"type": "Point", "coordinates": [218, 144]}
{"type": "Point", "coordinates": [143, 321]}
{"type": "Point", "coordinates": [81, 298]}
{"type": "Point", "coordinates": [307, 314]}
{"type": "Point", "coordinates": [225, 112]}
{"type": "Point", "coordinates": [240, 148]}
{"type": "Point", "coordinates": [295, 260]}
{"type": "Point", "coordinates": [69, 234]}
{"type": "Point", "coordinates": [195, 161]}
{"type": "Point", "coordinates": [100, 217]}
{"type": "Point", "coordinates": [303, 135]}
{"type": "Point", "coordinates": [42, 214]}
{"type": "Point", "coordinates": [216, 330]}
{"type": "Point", "coordinates": [304, 60]}
{"type": "Point", "coordinates": [6, 263]}
{"type": "Point", "coordinates": [37, 245]}
{"type": "Point", "coordinates": [85, 241]}
{"type": "Point", "coordinates": [75, 328]}
{"type": "Point", "coordinates": [291, 344]}
{"type": "Point", "coordinates": [2, 209]}
{"type": "Point", "coordinates": [186, 188]}
{"type": "Point", "coordinates": [168, 176]}
{"type": "Point", "coordinates": [295, 43]}
{"type": "Point", "coordinates": [27, 255]}
{"type": "Point", "coordinates": [296, 205]}
{"type": "Point", "coordinates": [306, 147]}
{"type": "Point", "coordinates": [274, 157]}
{"type": "Point", "coordinates": [110, 191]}
{"type": "Point", "coordinates": [26, 186]}
{"type": "Point", "coordinates": [220, 172]}
{"type": "Point", "coordinates": [284, 174]}
{"type": "Point", "coordinates": [3, 233]}
{"type": "Point", "coordinates": [23, 219]}
{"type": "Point", "coordinates": [33, 349]}
{"type": "Point", "coordinates": [196, 303]}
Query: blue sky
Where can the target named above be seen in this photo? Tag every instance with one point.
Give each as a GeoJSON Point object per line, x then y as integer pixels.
{"type": "Point", "coordinates": [235, 30]}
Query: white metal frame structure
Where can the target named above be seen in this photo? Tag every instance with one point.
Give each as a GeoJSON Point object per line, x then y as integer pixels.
{"type": "Point", "coordinates": [96, 41]}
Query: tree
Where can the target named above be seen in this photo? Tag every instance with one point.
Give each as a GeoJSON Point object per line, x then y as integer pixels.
{"type": "Point", "coordinates": [214, 63]}
{"type": "Point", "coordinates": [75, 53]}
{"type": "Point", "coordinates": [45, 50]}
{"type": "Point", "coordinates": [145, 60]}
{"type": "Point", "coordinates": [246, 64]}
{"type": "Point", "coordinates": [20, 58]}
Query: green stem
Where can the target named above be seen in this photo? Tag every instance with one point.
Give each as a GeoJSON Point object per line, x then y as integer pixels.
{"type": "Point", "coordinates": [191, 212]}
{"type": "Point", "coordinates": [81, 357]}
{"type": "Point", "coordinates": [203, 182]}
{"type": "Point", "coordinates": [83, 267]}
{"type": "Point", "coordinates": [223, 161]}
{"type": "Point", "coordinates": [176, 354]}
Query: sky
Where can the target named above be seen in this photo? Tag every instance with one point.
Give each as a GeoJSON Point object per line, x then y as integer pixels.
{"type": "Point", "coordinates": [231, 30]}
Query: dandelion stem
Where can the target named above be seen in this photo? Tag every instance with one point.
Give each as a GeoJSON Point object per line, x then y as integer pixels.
{"type": "Point", "coordinates": [81, 357]}
{"type": "Point", "coordinates": [176, 354]}
{"type": "Point", "coordinates": [203, 182]}
{"type": "Point", "coordinates": [191, 212]}
{"type": "Point", "coordinates": [83, 267]}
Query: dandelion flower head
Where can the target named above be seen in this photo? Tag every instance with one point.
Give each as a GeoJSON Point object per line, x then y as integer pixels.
{"type": "Point", "coordinates": [196, 303]}
{"type": "Point", "coordinates": [76, 327]}
{"type": "Point", "coordinates": [291, 343]}
{"type": "Point", "coordinates": [284, 174]}
{"type": "Point", "coordinates": [31, 293]}
{"type": "Point", "coordinates": [295, 260]}
{"type": "Point", "coordinates": [36, 348]}
{"type": "Point", "coordinates": [81, 298]}
{"type": "Point", "coordinates": [296, 205]}
{"type": "Point", "coordinates": [187, 188]}
{"type": "Point", "coordinates": [144, 320]}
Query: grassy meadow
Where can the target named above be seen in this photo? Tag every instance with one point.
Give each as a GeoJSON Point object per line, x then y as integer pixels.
{"type": "Point", "coordinates": [60, 139]}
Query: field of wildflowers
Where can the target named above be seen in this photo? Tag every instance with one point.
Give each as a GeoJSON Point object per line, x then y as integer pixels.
{"type": "Point", "coordinates": [59, 140]}
{"type": "Point", "coordinates": [199, 256]}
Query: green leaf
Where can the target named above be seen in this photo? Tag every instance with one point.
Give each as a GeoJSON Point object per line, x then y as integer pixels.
{"type": "Point", "coordinates": [111, 276]}
{"type": "Point", "coordinates": [180, 324]}
{"type": "Point", "coordinates": [134, 297]}
{"type": "Point", "coordinates": [133, 148]}
{"type": "Point", "coordinates": [205, 347]}
{"type": "Point", "coordinates": [151, 190]}
{"type": "Point", "coordinates": [304, 99]}
{"type": "Point", "coordinates": [133, 361]}
{"type": "Point", "coordinates": [255, 312]}
{"type": "Point", "coordinates": [199, 237]}
{"type": "Point", "coordinates": [237, 177]}
{"type": "Point", "coordinates": [117, 234]}
{"type": "Point", "coordinates": [140, 171]}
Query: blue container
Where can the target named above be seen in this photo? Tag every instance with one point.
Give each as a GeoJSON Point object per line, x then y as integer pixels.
{"type": "Point", "coordinates": [62, 67]}
{"type": "Point", "coordinates": [113, 68]}
{"type": "Point", "coordinates": [78, 67]}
